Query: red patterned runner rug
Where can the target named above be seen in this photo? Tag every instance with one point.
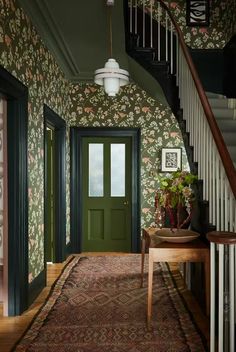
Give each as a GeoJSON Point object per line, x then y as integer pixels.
{"type": "Point", "coordinates": [96, 305]}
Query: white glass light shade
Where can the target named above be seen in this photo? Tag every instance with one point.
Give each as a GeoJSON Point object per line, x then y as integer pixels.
{"type": "Point", "coordinates": [111, 77]}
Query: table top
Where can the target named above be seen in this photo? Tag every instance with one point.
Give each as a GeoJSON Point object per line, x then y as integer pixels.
{"type": "Point", "coordinates": [151, 232]}
{"type": "Point", "coordinates": [198, 243]}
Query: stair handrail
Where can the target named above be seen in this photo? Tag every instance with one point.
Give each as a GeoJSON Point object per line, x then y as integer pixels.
{"type": "Point", "coordinates": [220, 143]}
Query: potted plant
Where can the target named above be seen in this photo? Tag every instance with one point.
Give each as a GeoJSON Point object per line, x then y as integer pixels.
{"type": "Point", "coordinates": [174, 199]}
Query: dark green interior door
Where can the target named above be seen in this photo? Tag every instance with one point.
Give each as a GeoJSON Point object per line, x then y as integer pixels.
{"type": "Point", "coordinates": [106, 194]}
{"type": "Point", "coordinates": [49, 230]}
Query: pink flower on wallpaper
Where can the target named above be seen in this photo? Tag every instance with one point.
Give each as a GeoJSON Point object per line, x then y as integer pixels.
{"type": "Point", "coordinates": [7, 40]}
{"type": "Point", "coordinates": [194, 31]}
{"type": "Point", "coordinates": [173, 5]}
{"type": "Point", "coordinates": [93, 89]}
{"type": "Point", "coordinates": [146, 160]}
{"type": "Point", "coordinates": [203, 30]}
{"type": "Point", "coordinates": [31, 158]}
{"type": "Point", "coordinates": [122, 115]}
{"type": "Point", "coordinates": [145, 210]}
{"type": "Point", "coordinates": [88, 110]}
{"type": "Point", "coordinates": [145, 109]}
{"type": "Point", "coordinates": [174, 134]}
{"type": "Point", "coordinates": [30, 277]}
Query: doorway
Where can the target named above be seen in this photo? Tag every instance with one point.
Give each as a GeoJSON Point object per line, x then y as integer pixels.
{"type": "Point", "coordinates": [50, 195]}
{"type": "Point", "coordinates": [16, 194]}
{"type": "Point", "coordinates": [3, 208]}
{"type": "Point", "coordinates": [106, 188]}
{"type": "Point", "coordinates": [105, 212]}
{"type": "Point", "coordinates": [55, 187]}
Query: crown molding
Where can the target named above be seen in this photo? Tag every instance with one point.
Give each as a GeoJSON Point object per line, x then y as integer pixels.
{"type": "Point", "coordinates": [51, 35]}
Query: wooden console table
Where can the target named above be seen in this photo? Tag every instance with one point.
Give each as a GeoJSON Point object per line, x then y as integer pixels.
{"type": "Point", "coordinates": [195, 251]}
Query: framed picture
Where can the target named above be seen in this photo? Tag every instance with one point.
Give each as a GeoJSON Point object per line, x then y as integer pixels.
{"type": "Point", "coordinates": [171, 159]}
{"type": "Point", "coordinates": [197, 13]}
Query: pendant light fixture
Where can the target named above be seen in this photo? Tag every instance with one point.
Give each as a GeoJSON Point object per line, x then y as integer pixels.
{"type": "Point", "coordinates": [111, 76]}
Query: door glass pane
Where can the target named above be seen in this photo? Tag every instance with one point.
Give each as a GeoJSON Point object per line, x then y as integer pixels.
{"type": "Point", "coordinates": [96, 188]}
{"type": "Point", "coordinates": [118, 170]}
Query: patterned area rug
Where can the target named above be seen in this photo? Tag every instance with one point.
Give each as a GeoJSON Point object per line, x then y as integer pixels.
{"type": "Point", "coordinates": [97, 306]}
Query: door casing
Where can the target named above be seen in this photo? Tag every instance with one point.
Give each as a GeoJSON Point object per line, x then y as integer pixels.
{"type": "Point", "coordinates": [17, 130]}
{"type": "Point", "coordinates": [49, 225]}
{"type": "Point", "coordinates": [76, 136]}
{"type": "Point", "coordinates": [59, 127]}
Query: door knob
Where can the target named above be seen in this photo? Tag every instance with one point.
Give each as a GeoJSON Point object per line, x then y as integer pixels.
{"type": "Point", "coordinates": [126, 202]}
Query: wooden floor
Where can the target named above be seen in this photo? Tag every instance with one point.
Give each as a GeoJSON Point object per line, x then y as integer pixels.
{"type": "Point", "coordinates": [12, 328]}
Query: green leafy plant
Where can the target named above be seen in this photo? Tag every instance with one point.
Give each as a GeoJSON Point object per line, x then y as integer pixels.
{"type": "Point", "coordinates": [174, 194]}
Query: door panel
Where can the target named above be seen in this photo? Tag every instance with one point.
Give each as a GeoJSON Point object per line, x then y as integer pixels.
{"type": "Point", "coordinates": [118, 220]}
{"type": "Point", "coordinates": [95, 224]}
{"type": "Point", "coordinates": [106, 194]}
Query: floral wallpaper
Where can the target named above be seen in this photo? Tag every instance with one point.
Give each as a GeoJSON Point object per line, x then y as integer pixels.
{"type": "Point", "coordinates": [216, 35]}
{"type": "Point", "coordinates": [23, 53]}
{"type": "Point", "coordinates": [131, 108]}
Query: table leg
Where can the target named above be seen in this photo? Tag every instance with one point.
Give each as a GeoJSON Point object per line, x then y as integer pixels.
{"type": "Point", "coordinates": [207, 281]}
{"type": "Point", "coordinates": [150, 280]}
{"type": "Point", "coordinates": [142, 260]}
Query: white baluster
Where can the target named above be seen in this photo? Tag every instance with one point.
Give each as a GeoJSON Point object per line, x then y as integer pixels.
{"type": "Point", "coordinates": [144, 30]}
{"type": "Point", "coordinates": [159, 9]}
{"type": "Point", "coordinates": [226, 207]}
{"type": "Point", "coordinates": [210, 179]}
{"type": "Point", "coordinates": [232, 296]}
{"type": "Point", "coordinates": [217, 194]}
{"type": "Point", "coordinates": [166, 36]}
{"type": "Point", "coordinates": [231, 216]}
{"type": "Point", "coordinates": [131, 17]}
{"type": "Point", "coordinates": [171, 48]}
{"type": "Point", "coordinates": [151, 25]}
{"type": "Point", "coordinates": [212, 316]}
{"type": "Point", "coordinates": [221, 299]}
{"type": "Point", "coordinates": [177, 61]}
{"type": "Point", "coordinates": [213, 184]}
{"type": "Point", "coordinates": [221, 197]}
{"type": "Point", "coordinates": [136, 17]}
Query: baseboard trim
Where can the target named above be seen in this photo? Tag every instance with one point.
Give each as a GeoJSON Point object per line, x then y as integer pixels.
{"type": "Point", "coordinates": [36, 286]}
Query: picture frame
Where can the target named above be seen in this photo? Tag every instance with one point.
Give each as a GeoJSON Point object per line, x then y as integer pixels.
{"type": "Point", "coordinates": [171, 159]}
{"type": "Point", "coordinates": [197, 13]}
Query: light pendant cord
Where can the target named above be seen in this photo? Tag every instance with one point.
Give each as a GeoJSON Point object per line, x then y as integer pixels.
{"type": "Point", "coordinates": [110, 30]}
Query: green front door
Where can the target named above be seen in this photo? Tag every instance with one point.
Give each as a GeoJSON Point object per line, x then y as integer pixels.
{"type": "Point", "coordinates": [106, 194]}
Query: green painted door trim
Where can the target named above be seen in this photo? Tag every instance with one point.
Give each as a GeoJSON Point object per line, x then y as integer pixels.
{"type": "Point", "coordinates": [59, 126]}
{"type": "Point", "coordinates": [50, 201]}
{"type": "Point", "coordinates": [76, 137]}
{"type": "Point", "coordinates": [16, 94]}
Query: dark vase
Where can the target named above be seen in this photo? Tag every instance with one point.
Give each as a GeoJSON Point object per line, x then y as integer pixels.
{"type": "Point", "coordinates": [171, 219]}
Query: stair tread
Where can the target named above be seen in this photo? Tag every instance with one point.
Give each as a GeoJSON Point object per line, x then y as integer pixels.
{"type": "Point", "coordinates": [229, 137]}
{"type": "Point", "coordinates": [226, 125]}
{"type": "Point", "coordinates": [232, 152]}
{"type": "Point", "coordinates": [144, 50]}
{"type": "Point", "coordinates": [218, 103]}
{"type": "Point", "coordinates": [215, 95]}
{"type": "Point", "coordinates": [224, 113]}
{"type": "Point", "coordinates": [160, 62]}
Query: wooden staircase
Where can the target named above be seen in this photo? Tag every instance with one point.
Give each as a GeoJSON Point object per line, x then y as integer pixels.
{"type": "Point", "coordinates": [224, 111]}
{"type": "Point", "coordinates": [207, 122]}
{"type": "Point", "coordinates": [155, 41]}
